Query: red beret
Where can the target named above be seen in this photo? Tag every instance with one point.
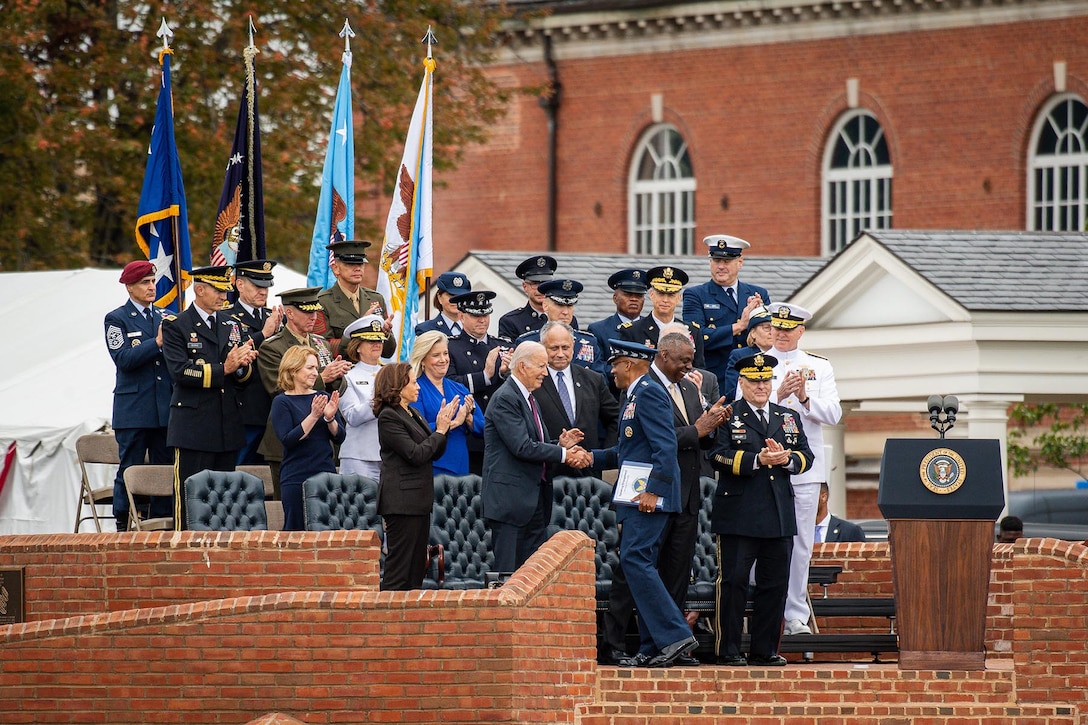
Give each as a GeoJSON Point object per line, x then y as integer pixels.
{"type": "Point", "coordinates": [135, 271]}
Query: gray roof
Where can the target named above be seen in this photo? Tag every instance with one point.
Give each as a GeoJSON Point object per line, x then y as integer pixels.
{"type": "Point", "coordinates": [782, 276]}
{"type": "Point", "coordinates": [997, 270]}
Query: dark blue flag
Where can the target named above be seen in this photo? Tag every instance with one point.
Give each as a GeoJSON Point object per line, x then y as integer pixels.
{"type": "Point", "coordinates": [162, 220]}
{"type": "Point", "coordinates": [239, 223]}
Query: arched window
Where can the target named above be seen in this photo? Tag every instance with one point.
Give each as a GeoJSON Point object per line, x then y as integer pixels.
{"type": "Point", "coordinates": [1058, 166]}
{"type": "Point", "coordinates": [857, 188]}
{"type": "Point", "coordinates": [661, 194]}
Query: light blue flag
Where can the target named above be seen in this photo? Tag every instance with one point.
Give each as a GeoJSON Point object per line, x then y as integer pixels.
{"type": "Point", "coordinates": [336, 209]}
{"type": "Point", "coordinates": [162, 218]}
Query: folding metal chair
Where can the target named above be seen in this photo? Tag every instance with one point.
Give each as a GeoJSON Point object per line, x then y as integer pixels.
{"type": "Point", "coordinates": [94, 448]}
{"type": "Point", "coordinates": [148, 481]}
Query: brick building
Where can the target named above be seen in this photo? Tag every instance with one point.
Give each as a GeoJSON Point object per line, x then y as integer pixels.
{"type": "Point", "coordinates": [791, 123]}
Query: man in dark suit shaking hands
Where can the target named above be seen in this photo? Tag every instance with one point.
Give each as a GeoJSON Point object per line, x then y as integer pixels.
{"type": "Point", "coordinates": [572, 396]}
{"type": "Point", "coordinates": [516, 494]}
{"type": "Point", "coordinates": [758, 449]}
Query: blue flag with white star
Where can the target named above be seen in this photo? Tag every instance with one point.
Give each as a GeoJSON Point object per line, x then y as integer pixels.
{"type": "Point", "coordinates": [162, 219]}
{"type": "Point", "coordinates": [239, 222]}
{"type": "Point", "coordinates": [336, 208]}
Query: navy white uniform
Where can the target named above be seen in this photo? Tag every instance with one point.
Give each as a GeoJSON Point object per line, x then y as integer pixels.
{"type": "Point", "coordinates": [141, 395]}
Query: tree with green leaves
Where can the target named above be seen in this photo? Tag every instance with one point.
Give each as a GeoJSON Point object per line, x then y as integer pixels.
{"type": "Point", "coordinates": [1062, 444]}
{"type": "Point", "coordinates": [77, 100]}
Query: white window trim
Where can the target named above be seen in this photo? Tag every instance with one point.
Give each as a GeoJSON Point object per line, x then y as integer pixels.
{"type": "Point", "coordinates": [657, 188]}
{"type": "Point", "coordinates": [1035, 163]}
{"type": "Point", "coordinates": [873, 174]}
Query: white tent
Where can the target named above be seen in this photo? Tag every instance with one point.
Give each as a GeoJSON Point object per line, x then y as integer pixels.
{"type": "Point", "coordinates": [56, 383]}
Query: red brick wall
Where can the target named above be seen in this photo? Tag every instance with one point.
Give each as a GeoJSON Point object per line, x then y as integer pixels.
{"type": "Point", "coordinates": [523, 653]}
{"type": "Point", "coordinates": [957, 107]}
{"type": "Point", "coordinates": [91, 573]}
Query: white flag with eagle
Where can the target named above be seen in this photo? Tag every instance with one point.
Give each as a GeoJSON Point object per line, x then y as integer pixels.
{"type": "Point", "coordinates": [406, 261]}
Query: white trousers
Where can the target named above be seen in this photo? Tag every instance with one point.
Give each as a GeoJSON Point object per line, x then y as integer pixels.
{"type": "Point", "coordinates": [806, 499]}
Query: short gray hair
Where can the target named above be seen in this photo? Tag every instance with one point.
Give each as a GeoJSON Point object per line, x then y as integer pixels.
{"type": "Point", "coordinates": [524, 350]}
{"type": "Point", "coordinates": [552, 324]}
{"type": "Point", "coordinates": [675, 341]}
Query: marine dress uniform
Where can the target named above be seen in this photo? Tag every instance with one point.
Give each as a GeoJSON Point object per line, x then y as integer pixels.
{"type": "Point", "coordinates": [206, 409]}
{"type": "Point", "coordinates": [715, 308]}
{"type": "Point", "coordinates": [337, 309]}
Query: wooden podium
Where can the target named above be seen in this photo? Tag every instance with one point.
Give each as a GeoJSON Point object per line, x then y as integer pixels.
{"type": "Point", "coordinates": [941, 498]}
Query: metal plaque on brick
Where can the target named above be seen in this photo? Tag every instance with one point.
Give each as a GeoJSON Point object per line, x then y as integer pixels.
{"type": "Point", "coordinates": [12, 596]}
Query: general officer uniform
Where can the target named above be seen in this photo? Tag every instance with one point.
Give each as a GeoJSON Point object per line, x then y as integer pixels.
{"type": "Point", "coordinates": [632, 281]}
{"type": "Point", "coordinates": [647, 436]}
{"type": "Point", "coordinates": [468, 358]}
{"type": "Point", "coordinates": [338, 309]}
{"type": "Point", "coordinates": [268, 367]}
{"type": "Point", "coordinates": [206, 409]}
{"type": "Point", "coordinates": [647, 330]}
{"type": "Point", "coordinates": [586, 353]}
{"type": "Point", "coordinates": [516, 323]}
{"type": "Point", "coordinates": [256, 402]}
{"type": "Point", "coordinates": [141, 392]}
{"type": "Point", "coordinates": [452, 284]}
{"type": "Point", "coordinates": [754, 519]}
{"type": "Point", "coordinates": [715, 308]}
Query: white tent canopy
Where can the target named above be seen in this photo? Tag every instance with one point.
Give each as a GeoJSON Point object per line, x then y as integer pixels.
{"type": "Point", "coordinates": [53, 392]}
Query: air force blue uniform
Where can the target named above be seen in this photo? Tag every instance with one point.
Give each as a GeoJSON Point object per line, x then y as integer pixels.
{"type": "Point", "coordinates": [141, 394]}
{"type": "Point", "coordinates": [709, 306]}
{"type": "Point", "coordinates": [647, 436]}
{"type": "Point", "coordinates": [607, 329]}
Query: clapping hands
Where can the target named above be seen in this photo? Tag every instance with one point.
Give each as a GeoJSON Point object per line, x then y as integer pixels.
{"type": "Point", "coordinates": [774, 454]}
{"type": "Point", "coordinates": [571, 437]}
{"type": "Point", "coordinates": [451, 415]}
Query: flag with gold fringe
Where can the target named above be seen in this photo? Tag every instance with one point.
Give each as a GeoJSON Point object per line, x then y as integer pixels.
{"type": "Point", "coordinates": [406, 257]}
{"type": "Point", "coordinates": [162, 218]}
{"type": "Point", "coordinates": [239, 222]}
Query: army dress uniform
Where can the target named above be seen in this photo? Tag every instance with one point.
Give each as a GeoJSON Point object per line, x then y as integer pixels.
{"type": "Point", "coordinates": [256, 402]}
{"type": "Point", "coordinates": [206, 409]}
{"type": "Point", "coordinates": [715, 309]}
{"type": "Point", "coordinates": [754, 519]}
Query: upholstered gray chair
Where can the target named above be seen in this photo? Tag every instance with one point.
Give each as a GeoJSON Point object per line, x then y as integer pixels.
{"type": "Point", "coordinates": [340, 501]}
{"type": "Point", "coordinates": [460, 551]}
{"type": "Point", "coordinates": [225, 501]}
{"type": "Point", "coordinates": [582, 504]}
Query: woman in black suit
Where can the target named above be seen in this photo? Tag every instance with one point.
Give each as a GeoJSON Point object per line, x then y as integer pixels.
{"type": "Point", "coordinates": [406, 490]}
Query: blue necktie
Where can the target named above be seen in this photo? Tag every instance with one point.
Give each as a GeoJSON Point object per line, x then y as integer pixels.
{"type": "Point", "coordinates": [564, 396]}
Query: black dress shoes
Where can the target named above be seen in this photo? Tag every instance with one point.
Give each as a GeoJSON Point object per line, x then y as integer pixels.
{"type": "Point", "coordinates": [668, 654]}
{"type": "Point", "coordinates": [612, 656]}
{"type": "Point", "coordinates": [638, 660]}
{"type": "Point", "coordinates": [733, 661]}
{"type": "Point", "coordinates": [767, 660]}
{"type": "Point", "coordinates": [686, 661]}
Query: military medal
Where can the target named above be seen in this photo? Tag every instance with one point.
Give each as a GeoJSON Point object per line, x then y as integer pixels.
{"type": "Point", "coordinates": [629, 411]}
{"type": "Point", "coordinates": [628, 431]}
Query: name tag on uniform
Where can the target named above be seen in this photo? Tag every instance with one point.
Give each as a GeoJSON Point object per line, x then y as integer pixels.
{"type": "Point", "coordinates": [137, 333]}
{"type": "Point", "coordinates": [711, 306]}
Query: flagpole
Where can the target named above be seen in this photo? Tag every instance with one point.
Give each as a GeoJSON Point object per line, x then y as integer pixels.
{"type": "Point", "coordinates": [179, 282]}
{"type": "Point", "coordinates": [248, 55]}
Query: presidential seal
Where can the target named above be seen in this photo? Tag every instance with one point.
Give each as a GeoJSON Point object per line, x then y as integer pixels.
{"type": "Point", "coordinates": [942, 471]}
